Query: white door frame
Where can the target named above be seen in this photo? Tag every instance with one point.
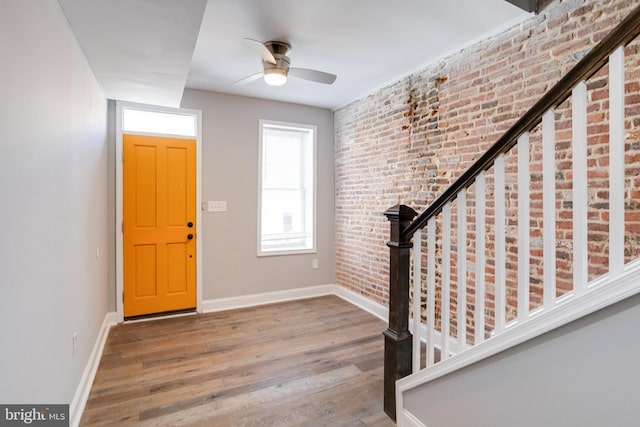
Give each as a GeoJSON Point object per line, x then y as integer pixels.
{"type": "Point", "coordinates": [120, 105]}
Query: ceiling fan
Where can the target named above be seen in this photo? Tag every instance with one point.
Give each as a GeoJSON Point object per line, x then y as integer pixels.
{"type": "Point", "coordinates": [276, 69]}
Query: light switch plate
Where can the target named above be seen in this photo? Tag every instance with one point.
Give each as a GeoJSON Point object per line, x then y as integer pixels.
{"type": "Point", "coordinates": [217, 206]}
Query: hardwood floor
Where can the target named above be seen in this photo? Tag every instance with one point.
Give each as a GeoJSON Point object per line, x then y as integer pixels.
{"type": "Point", "coordinates": [314, 362]}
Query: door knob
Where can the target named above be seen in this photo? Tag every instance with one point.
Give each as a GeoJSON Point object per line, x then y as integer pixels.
{"type": "Point", "coordinates": [189, 224]}
{"type": "Point", "coordinates": [189, 236]}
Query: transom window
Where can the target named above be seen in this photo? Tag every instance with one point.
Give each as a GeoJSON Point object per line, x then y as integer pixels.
{"type": "Point", "coordinates": [286, 197]}
{"type": "Point", "coordinates": [168, 123]}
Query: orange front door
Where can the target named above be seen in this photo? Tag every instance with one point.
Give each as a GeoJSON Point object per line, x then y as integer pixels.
{"type": "Point", "coordinates": [159, 198]}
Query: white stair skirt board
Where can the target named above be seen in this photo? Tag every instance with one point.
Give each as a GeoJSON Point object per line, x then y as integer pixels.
{"type": "Point", "coordinates": [86, 381]}
{"type": "Point", "coordinates": [599, 294]}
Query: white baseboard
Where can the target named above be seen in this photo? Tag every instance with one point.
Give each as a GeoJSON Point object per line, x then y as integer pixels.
{"type": "Point", "coordinates": [232, 303]}
{"type": "Point", "coordinates": [407, 419]}
{"type": "Point", "coordinates": [84, 387]}
{"type": "Point", "coordinates": [382, 312]}
{"type": "Point", "coordinates": [378, 310]}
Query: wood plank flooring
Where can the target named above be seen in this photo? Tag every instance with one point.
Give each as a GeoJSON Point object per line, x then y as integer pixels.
{"type": "Point", "coordinates": [314, 362]}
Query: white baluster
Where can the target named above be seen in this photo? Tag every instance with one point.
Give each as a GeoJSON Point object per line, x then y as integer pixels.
{"type": "Point", "coordinates": [549, 207]}
{"type": "Point", "coordinates": [417, 297]}
{"type": "Point", "coordinates": [523, 227]}
{"type": "Point", "coordinates": [580, 194]}
{"type": "Point", "coordinates": [480, 256]}
{"type": "Point", "coordinates": [462, 269]}
{"type": "Point", "coordinates": [446, 281]}
{"type": "Point", "coordinates": [500, 243]}
{"type": "Point", "coordinates": [431, 289]}
{"type": "Point", "coordinates": [616, 163]}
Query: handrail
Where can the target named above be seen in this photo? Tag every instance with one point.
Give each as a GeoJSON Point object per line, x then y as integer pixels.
{"type": "Point", "coordinates": [622, 35]}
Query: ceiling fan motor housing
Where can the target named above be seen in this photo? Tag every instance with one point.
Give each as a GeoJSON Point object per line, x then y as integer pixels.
{"type": "Point", "coordinates": [278, 48]}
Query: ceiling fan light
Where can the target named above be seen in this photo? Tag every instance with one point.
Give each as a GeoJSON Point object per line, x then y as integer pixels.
{"type": "Point", "coordinates": [275, 77]}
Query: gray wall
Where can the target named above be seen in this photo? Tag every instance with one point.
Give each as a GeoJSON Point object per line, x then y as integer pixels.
{"type": "Point", "coordinates": [585, 374]}
{"type": "Point", "coordinates": [53, 207]}
{"type": "Point", "coordinates": [230, 172]}
{"type": "Point", "coordinates": [111, 204]}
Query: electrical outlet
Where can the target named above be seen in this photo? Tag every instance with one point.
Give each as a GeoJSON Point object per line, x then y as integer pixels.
{"type": "Point", "coordinates": [314, 264]}
{"type": "Point", "coordinates": [75, 344]}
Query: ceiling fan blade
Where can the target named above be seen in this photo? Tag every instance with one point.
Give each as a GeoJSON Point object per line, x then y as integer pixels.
{"type": "Point", "coordinates": [249, 79]}
{"type": "Point", "coordinates": [313, 75]}
{"type": "Point", "coordinates": [261, 50]}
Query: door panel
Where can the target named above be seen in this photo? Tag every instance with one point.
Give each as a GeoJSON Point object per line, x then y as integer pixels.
{"type": "Point", "coordinates": [177, 177]}
{"type": "Point", "coordinates": [145, 271]}
{"type": "Point", "coordinates": [158, 203]}
{"type": "Point", "coordinates": [145, 189]}
{"type": "Point", "coordinates": [177, 273]}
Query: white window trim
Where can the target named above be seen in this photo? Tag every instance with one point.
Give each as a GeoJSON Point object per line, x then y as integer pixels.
{"type": "Point", "coordinates": [313, 249]}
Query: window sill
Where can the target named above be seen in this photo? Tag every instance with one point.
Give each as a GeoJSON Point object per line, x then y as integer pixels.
{"type": "Point", "coordinates": [286, 252]}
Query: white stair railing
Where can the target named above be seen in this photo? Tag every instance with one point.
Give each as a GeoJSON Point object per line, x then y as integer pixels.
{"type": "Point", "coordinates": [518, 273]}
{"type": "Point", "coordinates": [436, 319]}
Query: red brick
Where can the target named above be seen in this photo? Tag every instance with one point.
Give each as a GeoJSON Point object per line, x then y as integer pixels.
{"type": "Point", "coordinates": [407, 142]}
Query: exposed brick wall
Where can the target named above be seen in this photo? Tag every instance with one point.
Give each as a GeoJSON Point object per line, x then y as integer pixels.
{"type": "Point", "coordinates": [373, 171]}
{"type": "Point", "coordinates": [407, 142]}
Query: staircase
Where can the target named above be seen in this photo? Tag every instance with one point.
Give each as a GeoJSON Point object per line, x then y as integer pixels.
{"type": "Point", "coordinates": [539, 233]}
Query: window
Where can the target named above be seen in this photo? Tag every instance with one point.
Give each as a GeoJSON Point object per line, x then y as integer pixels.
{"type": "Point", "coordinates": [286, 196]}
{"type": "Point", "coordinates": [135, 120]}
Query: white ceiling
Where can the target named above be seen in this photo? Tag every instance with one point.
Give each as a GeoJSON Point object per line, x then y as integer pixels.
{"type": "Point", "coordinates": [139, 49]}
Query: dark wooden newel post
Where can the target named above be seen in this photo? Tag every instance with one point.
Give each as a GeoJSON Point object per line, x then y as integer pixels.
{"type": "Point", "coordinates": [397, 338]}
